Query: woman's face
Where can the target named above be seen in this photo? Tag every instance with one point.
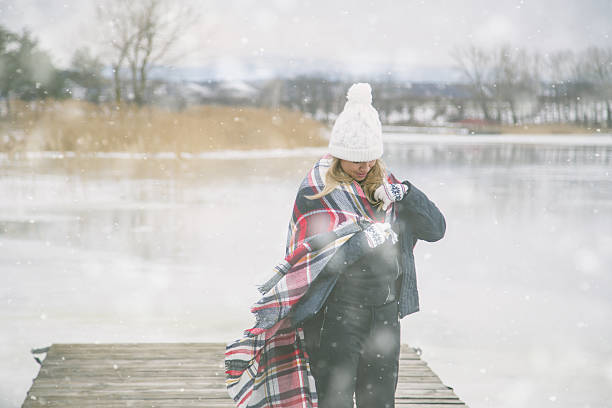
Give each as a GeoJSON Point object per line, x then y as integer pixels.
{"type": "Point", "coordinates": [357, 170]}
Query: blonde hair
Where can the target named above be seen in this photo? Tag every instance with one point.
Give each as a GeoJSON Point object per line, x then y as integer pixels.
{"type": "Point", "coordinates": [336, 176]}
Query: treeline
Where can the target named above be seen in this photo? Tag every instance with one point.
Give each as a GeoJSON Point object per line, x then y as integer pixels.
{"type": "Point", "coordinates": [500, 86]}
{"type": "Point", "coordinates": [504, 85]}
{"type": "Point", "coordinates": [512, 85]}
{"type": "Point", "coordinates": [137, 36]}
{"type": "Point", "coordinates": [26, 72]}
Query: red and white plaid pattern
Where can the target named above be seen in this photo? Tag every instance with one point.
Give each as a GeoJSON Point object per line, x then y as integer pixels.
{"type": "Point", "coordinates": [269, 367]}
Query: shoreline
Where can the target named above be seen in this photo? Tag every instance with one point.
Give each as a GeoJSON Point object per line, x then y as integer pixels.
{"type": "Point", "coordinates": [587, 139]}
{"type": "Point", "coordinates": [395, 138]}
{"type": "Point", "coordinates": [466, 129]}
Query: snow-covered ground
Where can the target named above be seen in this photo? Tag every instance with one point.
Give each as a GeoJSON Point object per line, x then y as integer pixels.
{"type": "Point", "coordinates": [516, 300]}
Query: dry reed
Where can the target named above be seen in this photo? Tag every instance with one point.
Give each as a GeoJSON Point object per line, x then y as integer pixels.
{"type": "Point", "coordinates": [83, 127]}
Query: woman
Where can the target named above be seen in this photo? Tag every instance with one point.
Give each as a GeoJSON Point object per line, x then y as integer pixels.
{"type": "Point", "coordinates": [330, 315]}
{"type": "Point", "coordinates": [354, 342]}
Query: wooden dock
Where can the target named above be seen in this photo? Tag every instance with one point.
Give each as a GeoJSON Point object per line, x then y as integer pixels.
{"type": "Point", "coordinates": [180, 375]}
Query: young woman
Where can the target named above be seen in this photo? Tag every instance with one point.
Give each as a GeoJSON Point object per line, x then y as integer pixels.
{"type": "Point", "coordinates": [354, 340]}
{"type": "Point", "coordinates": [330, 315]}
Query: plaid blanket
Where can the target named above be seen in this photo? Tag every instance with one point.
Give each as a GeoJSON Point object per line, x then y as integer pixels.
{"type": "Point", "coordinates": [269, 367]}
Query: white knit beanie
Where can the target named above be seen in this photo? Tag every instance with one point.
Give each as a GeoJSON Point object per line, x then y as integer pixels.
{"type": "Point", "coordinates": [357, 132]}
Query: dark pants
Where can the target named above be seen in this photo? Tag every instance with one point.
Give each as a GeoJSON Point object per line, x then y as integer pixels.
{"type": "Point", "coordinates": [358, 354]}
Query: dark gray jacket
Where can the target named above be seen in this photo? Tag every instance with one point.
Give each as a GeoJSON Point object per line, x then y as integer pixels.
{"type": "Point", "coordinates": [418, 218]}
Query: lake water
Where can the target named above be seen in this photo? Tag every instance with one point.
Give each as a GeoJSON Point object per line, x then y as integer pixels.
{"type": "Point", "coordinates": [516, 300]}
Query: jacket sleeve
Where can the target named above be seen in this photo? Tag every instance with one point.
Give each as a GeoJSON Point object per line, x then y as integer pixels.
{"type": "Point", "coordinates": [426, 220]}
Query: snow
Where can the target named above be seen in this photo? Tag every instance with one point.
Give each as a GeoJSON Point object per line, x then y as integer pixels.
{"type": "Point", "coordinates": [238, 88]}
{"type": "Point", "coordinates": [200, 90]}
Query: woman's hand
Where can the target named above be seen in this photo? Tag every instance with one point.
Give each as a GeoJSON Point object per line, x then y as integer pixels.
{"type": "Point", "coordinates": [378, 232]}
{"type": "Point", "coordinates": [389, 193]}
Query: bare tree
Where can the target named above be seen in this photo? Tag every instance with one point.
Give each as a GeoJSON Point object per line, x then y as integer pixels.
{"type": "Point", "coordinates": [599, 69]}
{"type": "Point", "coordinates": [475, 65]}
{"type": "Point", "coordinates": [582, 88]}
{"type": "Point", "coordinates": [86, 70]}
{"type": "Point", "coordinates": [532, 83]}
{"type": "Point", "coordinates": [114, 17]}
{"type": "Point", "coordinates": [559, 66]}
{"type": "Point", "coordinates": [505, 76]}
{"type": "Point", "coordinates": [8, 65]}
{"type": "Point", "coordinates": [142, 33]}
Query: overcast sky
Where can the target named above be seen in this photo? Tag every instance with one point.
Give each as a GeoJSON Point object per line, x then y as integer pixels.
{"type": "Point", "coordinates": [408, 35]}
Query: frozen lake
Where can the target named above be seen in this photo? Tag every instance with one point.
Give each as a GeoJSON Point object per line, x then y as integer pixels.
{"type": "Point", "coordinates": [516, 300]}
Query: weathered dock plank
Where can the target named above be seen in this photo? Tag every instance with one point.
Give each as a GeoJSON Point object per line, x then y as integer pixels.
{"type": "Point", "coordinates": [180, 375]}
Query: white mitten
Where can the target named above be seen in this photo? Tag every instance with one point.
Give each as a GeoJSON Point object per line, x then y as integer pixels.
{"type": "Point", "coordinates": [389, 193]}
{"type": "Point", "coordinates": [378, 232]}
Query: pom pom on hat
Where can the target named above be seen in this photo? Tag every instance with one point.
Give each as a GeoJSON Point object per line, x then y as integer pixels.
{"type": "Point", "coordinates": [360, 93]}
{"type": "Point", "coordinates": [357, 132]}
